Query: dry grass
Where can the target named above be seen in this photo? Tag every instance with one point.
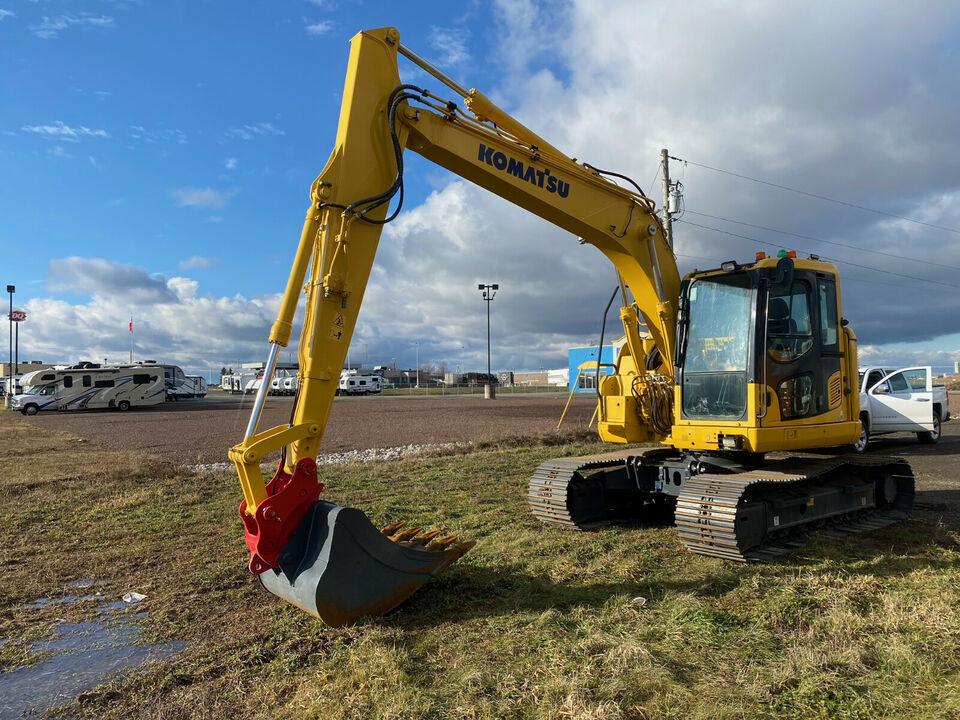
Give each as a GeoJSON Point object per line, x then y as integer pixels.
{"type": "Point", "coordinates": [532, 623]}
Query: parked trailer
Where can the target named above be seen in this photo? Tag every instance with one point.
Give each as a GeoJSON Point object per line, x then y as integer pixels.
{"type": "Point", "coordinates": [360, 384]}
{"type": "Point", "coordinates": [88, 388]}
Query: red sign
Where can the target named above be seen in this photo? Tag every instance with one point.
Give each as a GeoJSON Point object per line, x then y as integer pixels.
{"type": "Point", "coordinates": [18, 315]}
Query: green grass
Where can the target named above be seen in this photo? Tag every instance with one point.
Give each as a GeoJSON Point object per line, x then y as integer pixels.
{"type": "Point", "coordinates": [532, 623]}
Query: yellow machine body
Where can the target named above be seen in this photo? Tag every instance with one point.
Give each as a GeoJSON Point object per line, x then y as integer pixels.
{"type": "Point", "coordinates": [644, 400]}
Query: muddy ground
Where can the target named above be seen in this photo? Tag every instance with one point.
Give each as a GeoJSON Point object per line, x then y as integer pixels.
{"type": "Point", "coordinates": [202, 431]}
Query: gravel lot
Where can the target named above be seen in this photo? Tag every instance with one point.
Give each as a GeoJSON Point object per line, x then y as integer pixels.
{"type": "Point", "coordinates": [201, 431]}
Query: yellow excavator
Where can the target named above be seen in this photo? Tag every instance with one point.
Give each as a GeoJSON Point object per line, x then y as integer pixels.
{"type": "Point", "coordinates": [716, 370]}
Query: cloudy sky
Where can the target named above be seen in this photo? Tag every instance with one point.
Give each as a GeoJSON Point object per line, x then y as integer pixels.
{"type": "Point", "coordinates": [156, 156]}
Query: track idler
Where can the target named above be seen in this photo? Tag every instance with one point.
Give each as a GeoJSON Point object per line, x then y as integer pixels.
{"type": "Point", "coordinates": [339, 567]}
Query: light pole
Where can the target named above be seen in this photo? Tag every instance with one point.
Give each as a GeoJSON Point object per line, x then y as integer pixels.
{"type": "Point", "coordinates": [417, 343]}
{"type": "Point", "coordinates": [489, 292]}
{"type": "Point", "coordinates": [9, 384]}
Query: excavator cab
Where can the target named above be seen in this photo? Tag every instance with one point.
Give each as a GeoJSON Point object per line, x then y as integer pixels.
{"type": "Point", "coordinates": [764, 361]}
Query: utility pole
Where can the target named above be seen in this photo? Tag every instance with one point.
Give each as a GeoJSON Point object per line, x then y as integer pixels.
{"type": "Point", "coordinates": [489, 292]}
{"type": "Point", "coordinates": [667, 217]}
{"type": "Point", "coordinates": [9, 384]}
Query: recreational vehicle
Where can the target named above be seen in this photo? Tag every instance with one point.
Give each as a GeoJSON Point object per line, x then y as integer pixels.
{"type": "Point", "coordinates": [360, 384]}
{"type": "Point", "coordinates": [92, 387]}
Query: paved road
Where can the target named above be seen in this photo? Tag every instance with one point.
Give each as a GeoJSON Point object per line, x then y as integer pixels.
{"type": "Point", "coordinates": [201, 431]}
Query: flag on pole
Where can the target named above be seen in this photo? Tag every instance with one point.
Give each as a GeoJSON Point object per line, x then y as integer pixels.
{"type": "Point", "coordinates": [131, 325]}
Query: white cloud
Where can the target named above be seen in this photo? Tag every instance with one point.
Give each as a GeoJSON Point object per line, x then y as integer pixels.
{"type": "Point", "coordinates": [320, 27]}
{"type": "Point", "coordinates": [323, 4]}
{"type": "Point", "coordinates": [139, 133]}
{"type": "Point", "coordinates": [451, 44]}
{"type": "Point", "coordinates": [184, 288]}
{"type": "Point", "coordinates": [96, 276]}
{"type": "Point", "coordinates": [58, 151]}
{"type": "Point", "coordinates": [50, 28]}
{"type": "Point", "coordinates": [250, 132]}
{"type": "Point", "coordinates": [230, 163]}
{"type": "Point", "coordinates": [195, 262]}
{"type": "Point", "coordinates": [201, 197]}
{"type": "Point", "coordinates": [59, 130]}
{"type": "Point", "coordinates": [174, 321]}
{"type": "Point", "coordinates": [4, 14]}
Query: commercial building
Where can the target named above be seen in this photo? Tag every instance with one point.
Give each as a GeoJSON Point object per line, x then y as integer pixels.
{"type": "Point", "coordinates": [582, 377]}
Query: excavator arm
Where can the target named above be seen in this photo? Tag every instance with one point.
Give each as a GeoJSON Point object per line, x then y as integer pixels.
{"type": "Point", "coordinates": [318, 555]}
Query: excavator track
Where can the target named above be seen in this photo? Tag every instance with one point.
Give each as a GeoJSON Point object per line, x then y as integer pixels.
{"type": "Point", "coordinates": [560, 490]}
{"type": "Point", "coordinates": [746, 516]}
{"type": "Point", "coordinates": [710, 515]}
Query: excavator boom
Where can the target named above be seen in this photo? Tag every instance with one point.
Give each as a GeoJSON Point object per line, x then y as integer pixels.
{"type": "Point", "coordinates": [330, 560]}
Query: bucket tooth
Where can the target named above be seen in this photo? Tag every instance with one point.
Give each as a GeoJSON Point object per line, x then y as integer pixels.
{"type": "Point", "coordinates": [340, 568]}
{"type": "Point", "coordinates": [424, 538]}
{"type": "Point", "coordinates": [391, 529]}
{"type": "Point", "coordinates": [405, 534]}
{"type": "Point", "coordinates": [441, 543]}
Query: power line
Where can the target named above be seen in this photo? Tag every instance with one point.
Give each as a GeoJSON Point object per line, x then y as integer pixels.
{"type": "Point", "coordinates": [818, 197]}
{"type": "Point", "coordinates": [843, 262]}
{"type": "Point", "coordinates": [821, 240]}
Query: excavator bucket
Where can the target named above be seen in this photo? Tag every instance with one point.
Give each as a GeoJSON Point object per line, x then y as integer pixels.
{"type": "Point", "coordinates": [339, 567]}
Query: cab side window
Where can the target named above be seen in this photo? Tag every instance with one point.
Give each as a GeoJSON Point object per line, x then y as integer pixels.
{"type": "Point", "coordinates": [789, 330]}
{"type": "Point", "coordinates": [829, 325]}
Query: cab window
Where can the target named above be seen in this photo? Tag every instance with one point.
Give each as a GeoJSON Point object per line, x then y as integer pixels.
{"type": "Point", "coordinates": [829, 326]}
{"type": "Point", "coordinates": [789, 329]}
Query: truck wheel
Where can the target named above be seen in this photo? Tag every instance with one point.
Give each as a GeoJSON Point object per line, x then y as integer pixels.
{"type": "Point", "coordinates": [123, 405]}
{"type": "Point", "coordinates": [928, 438]}
{"type": "Point", "coordinates": [31, 410]}
{"type": "Point", "coordinates": [860, 445]}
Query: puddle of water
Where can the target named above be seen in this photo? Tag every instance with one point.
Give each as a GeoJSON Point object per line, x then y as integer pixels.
{"type": "Point", "coordinates": [43, 602]}
{"type": "Point", "coordinates": [83, 656]}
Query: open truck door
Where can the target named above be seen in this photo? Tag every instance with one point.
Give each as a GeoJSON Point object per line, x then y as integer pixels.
{"type": "Point", "coordinates": [903, 401]}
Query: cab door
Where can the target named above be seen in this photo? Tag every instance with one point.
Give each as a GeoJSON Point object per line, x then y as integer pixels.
{"type": "Point", "coordinates": [903, 401]}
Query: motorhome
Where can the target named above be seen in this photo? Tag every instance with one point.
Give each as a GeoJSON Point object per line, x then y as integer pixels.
{"type": "Point", "coordinates": [360, 384]}
{"type": "Point", "coordinates": [89, 386]}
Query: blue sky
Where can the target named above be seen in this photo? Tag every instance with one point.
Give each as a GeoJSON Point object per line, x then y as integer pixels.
{"type": "Point", "coordinates": [156, 157]}
{"type": "Point", "coordinates": [150, 135]}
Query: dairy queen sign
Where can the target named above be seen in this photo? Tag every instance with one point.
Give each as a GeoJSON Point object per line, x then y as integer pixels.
{"type": "Point", "coordinates": [18, 315]}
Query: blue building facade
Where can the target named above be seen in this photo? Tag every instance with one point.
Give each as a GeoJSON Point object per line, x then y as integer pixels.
{"type": "Point", "coordinates": [587, 380]}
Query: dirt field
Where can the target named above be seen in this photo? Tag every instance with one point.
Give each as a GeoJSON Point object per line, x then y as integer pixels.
{"type": "Point", "coordinates": [203, 431]}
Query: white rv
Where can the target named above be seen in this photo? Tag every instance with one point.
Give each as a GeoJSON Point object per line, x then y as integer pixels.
{"type": "Point", "coordinates": [92, 387]}
{"type": "Point", "coordinates": [360, 384]}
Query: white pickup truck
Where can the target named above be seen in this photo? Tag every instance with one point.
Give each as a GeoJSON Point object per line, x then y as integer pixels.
{"type": "Point", "coordinates": [904, 400]}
